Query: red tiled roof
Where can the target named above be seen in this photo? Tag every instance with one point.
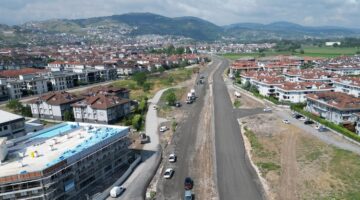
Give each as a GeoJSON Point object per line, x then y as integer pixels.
{"type": "Point", "coordinates": [16, 73]}
{"type": "Point", "coordinates": [304, 86]}
{"type": "Point", "coordinates": [354, 81]}
{"type": "Point", "coordinates": [101, 102]}
{"type": "Point", "coordinates": [338, 100]}
{"type": "Point", "coordinates": [56, 98]}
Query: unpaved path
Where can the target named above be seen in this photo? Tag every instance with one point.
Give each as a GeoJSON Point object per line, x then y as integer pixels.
{"type": "Point", "coordinates": [288, 167]}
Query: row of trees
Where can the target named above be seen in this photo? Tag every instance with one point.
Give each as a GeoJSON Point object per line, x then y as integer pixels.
{"type": "Point", "coordinates": [17, 107]}
{"type": "Point", "coordinates": [171, 50]}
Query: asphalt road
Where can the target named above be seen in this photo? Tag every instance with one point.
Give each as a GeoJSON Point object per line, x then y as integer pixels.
{"type": "Point", "coordinates": [183, 144]}
{"type": "Point", "coordinates": [235, 178]}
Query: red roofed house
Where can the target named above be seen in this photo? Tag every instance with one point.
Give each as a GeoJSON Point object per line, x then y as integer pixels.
{"type": "Point", "coordinates": [52, 105]}
{"type": "Point", "coordinates": [334, 106]}
{"type": "Point", "coordinates": [295, 92]}
{"type": "Point", "coordinates": [101, 108]}
{"type": "Point", "coordinates": [348, 85]}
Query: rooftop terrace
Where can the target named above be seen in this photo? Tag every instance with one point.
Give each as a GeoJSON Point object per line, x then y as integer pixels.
{"type": "Point", "coordinates": [66, 142]}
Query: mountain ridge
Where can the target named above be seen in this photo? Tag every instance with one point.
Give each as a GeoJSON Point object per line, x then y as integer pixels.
{"type": "Point", "coordinates": [135, 24]}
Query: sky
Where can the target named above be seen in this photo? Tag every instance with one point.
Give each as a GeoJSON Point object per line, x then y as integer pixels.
{"type": "Point", "coordinates": [344, 13]}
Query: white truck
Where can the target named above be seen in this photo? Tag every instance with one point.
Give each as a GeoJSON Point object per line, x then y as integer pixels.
{"type": "Point", "coordinates": [116, 191]}
{"type": "Point", "coordinates": [237, 94]}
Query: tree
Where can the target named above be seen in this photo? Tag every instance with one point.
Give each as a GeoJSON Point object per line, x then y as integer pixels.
{"type": "Point", "coordinates": [170, 98]}
{"type": "Point", "coordinates": [69, 116]}
{"type": "Point", "coordinates": [26, 111]}
{"type": "Point", "coordinates": [142, 106]}
{"type": "Point", "coordinates": [146, 86]}
{"type": "Point", "coordinates": [302, 51]}
{"type": "Point", "coordinates": [15, 106]}
{"type": "Point", "coordinates": [161, 69]}
{"type": "Point", "coordinates": [140, 78]}
{"type": "Point", "coordinates": [136, 121]}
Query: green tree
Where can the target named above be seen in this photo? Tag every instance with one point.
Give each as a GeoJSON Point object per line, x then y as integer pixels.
{"type": "Point", "coordinates": [146, 86]}
{"type": "Point", "coordinates": [136, 121]}
{"type": "Point", "coordinates": [26, 111]}
{"type": "Point", "coordinates": [180, 50]}
{"type": "Point", "coordinates": [140, 78]}
{"type": "Point", "coordinates": [142, 106]}
{"type": "Point", "coordinates": [69, 116]}
{"type": "Point", "coordinates": [161, 69]}
{"type": "Point", "coordinates": [302, 51]}
{"type": "Point", "coordinates": [170, 98]}
{"type": "Point", "coordinates": [15, 106]}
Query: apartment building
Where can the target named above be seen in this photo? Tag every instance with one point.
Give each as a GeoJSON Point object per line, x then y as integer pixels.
{"type": "Point", "coordinates": [101, 108]}
{"type": "Point", "coordinates": [295, 92]}
{"type": "Point", "coordinates": [309, 75]}
{"type": "Point", "coordinates": [348, 85]}
{"type": "Point", "coordinates": [64, 161]}
{"type": "Point", "coordinates": [11, 125]}
{"type": "Point", "coordinates": [34, 84]}
{"type": "Point", "coordinates": [336, 107]}
{"type": "Point", "coordinates": [52, 105]}
{"type": "Point", "coordinates": [343, 69]}
{"type": "Point", "coordinates": [267, 84]}
{"type": "Point", "coordinates": [4, 94]}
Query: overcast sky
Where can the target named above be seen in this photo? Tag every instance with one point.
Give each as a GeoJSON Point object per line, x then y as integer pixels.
{"type": "Point", "coordinates": [306, 12]}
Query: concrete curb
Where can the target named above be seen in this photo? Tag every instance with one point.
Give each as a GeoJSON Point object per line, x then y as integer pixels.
{"type": "Point", "coordinates": [260, 181]}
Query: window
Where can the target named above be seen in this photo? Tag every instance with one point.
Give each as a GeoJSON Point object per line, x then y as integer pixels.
{"type": "Point", "coordinates": [5, 127]}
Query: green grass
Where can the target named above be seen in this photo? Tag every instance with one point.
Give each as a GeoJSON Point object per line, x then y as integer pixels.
{"type": "Point", "coordinates": [157, 82]}
{"type": "Point", "coordinates": [309, 51]}
{"type": "Point", "coordinates": [346, 166]}
{"type": "Point", "coordinates": [265, 167]}
{"type": "Point", "coordinates": [237, 103]}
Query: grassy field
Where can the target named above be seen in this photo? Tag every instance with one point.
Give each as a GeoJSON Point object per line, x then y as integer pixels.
{"type": "Point", "coordinates": [157, 82]}
{"type": "Point", "coordinates": [310, 51]}
{"type": "Point", "coordinates": [164, 108]}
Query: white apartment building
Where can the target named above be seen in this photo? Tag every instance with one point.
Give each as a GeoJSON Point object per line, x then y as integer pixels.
{"type": "Point", "coordinates": [336, 107]}
{"type": "Point", "coordinates": [101, 108]}
{"type": "Point", "coordinates": [267, 84]}
{"type": "Point", "coordinates": [348, 85]}
{"type": "Point", "coordinates": [296, 92]}
{"type": "Point", "coordinates": [35, 84]}
{"type": "Point", "coordinates": [52, 105]}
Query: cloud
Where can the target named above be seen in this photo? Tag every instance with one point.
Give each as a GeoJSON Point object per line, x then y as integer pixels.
{"type": "Point", "coordinates": [221, 12]}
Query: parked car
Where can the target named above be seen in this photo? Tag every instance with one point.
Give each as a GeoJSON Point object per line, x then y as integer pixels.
{"type": "Point", "coordinates": [172, 158]}
{"type": "Point", "coordinates": [177, 104]}
{"type": "Point", "coordinates": [237, 94]}
{"type": "Point", "coordinates": [168, 173]}
{"type": "Point", "coordinates": [307, 122]}
{"type": "Point", "coordinates": [189, 183]}
{"type": "Point", "coordinates": [155, 107]}
{"type": "Point", "coordinates": [164, 128]}
{"type": "Point", "coordinates": [285, 121]}
{"type": "Point", "coordinates": [189, 101]}
{"type": "Point", "coordinates": [267, 109]}
{"type": "Point", "coordinates": [297, 116]}
{"type": "Point", "coordinates": [116, 191]}
{"type": "Point", "coordinates": [188, 195]}
{"type": "Point", "coordinates": [144, 138]}
{"type": "Point", "coordinates": [320, 128]}
{"type": "Point", "coordinates": [302, 119]}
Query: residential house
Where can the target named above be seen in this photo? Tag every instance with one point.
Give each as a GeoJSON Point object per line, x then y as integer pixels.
{"type": "Point", "coordinates": [101, 108]}
{"type": "Point", "coordinates": [295, 92]}
{"type": "Point", "coordinates": [348, 85]}
{"type": "Point", "coordinates": [336, 107]}
{"type": "Point", "coordinates": [267, 84]}
{"type": "Point", "coordinates": [108, 89]}
{"type": "Point", "coordinates": [53, 105]}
